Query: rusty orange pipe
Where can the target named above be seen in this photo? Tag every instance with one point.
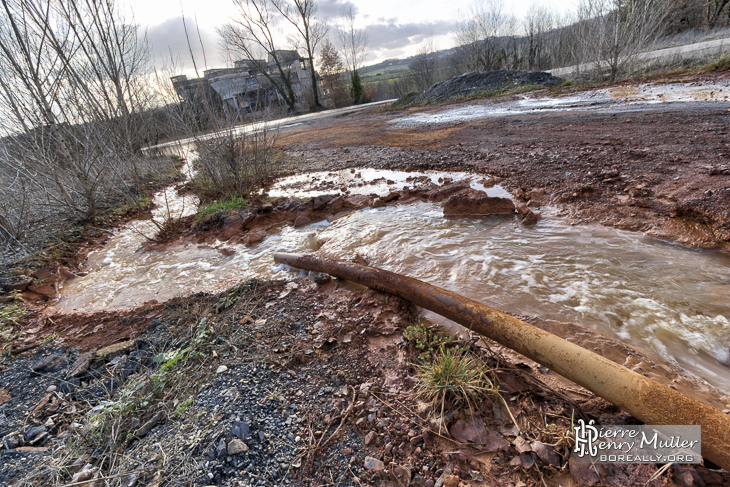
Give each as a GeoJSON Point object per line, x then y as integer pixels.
{"type": "Point", "coordinates": [644, 398]}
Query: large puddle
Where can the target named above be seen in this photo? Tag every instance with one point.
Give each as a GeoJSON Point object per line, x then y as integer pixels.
{"type": "Point", "coordinates": [614, 99]}
{"type": "Point", "coordinates": [666, 299]}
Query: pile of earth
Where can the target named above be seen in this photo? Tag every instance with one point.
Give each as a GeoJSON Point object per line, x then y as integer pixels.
{"type": "Point", "coordinates": [491, 82]}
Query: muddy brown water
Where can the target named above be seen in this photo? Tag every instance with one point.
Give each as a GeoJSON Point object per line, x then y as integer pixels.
{"type": "Point", "coordinates": [667, 299]}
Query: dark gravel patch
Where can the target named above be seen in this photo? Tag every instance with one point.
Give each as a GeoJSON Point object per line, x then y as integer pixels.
{"type": "Point", "coordinates": [474, 84]}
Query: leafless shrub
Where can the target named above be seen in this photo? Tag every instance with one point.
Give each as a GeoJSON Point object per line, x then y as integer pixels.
{"type": "Point", "coordinates": [73, 95]}
{"type": "Point", "coordinates": [611, 33]}
{"type": "Point", "coordinates": [234, 162]}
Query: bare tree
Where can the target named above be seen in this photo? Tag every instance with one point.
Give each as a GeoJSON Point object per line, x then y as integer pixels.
{"type": "Point", "coordinates": [302, 14]}
{"type": "Point", "coordinates": [116, 60]}
{"type": "Point", "coordinates": [612, 32]}
{"type": "Point", "coordinates": [353, 43]}
{"type": "Point", "coordinates": [253, 35]}
{"type": "Point", "coordinates": [538, 23]}
{"type": "Point", "coordinates": [69, 143]}
{"type": "Point", "coordinates": [424, 67]}
{"type": "Point", "coordinates": [478, 35]}
{"type": "Point", "coordinates": [715, 11]}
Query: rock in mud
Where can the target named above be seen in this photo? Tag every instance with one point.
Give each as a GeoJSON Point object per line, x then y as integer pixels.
{"type": "Point", "coordinates": [440, 194]}
{"type": "Point", "coordinates": [50, 363]}
{"type": "Point", "coordinates": [18, 286]}
{"type": "Point", "coordinates": [475, 431]}
{"type": "Point", "coordinates": [356, 202]}
{"type": "Point", "coordinates": [301, 221]}
{"type": "Point", "coordinates": [116, 350]}
{"type": "Point", "coordinates": [474, 202]}
{"type": "Point", "coordinates": [254, 236]}
{"type": "Point", "coordinates": [320, 202]}
{"type": "Point", "coordinates": [45, 291]}
{"type": "Point", "coordinates": [322, 278]}
{"type": "Point", "coordinates": [527, 216]}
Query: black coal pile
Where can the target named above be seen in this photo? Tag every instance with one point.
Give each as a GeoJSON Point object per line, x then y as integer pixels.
{"type": "Point", "coordinates": [491, 82]}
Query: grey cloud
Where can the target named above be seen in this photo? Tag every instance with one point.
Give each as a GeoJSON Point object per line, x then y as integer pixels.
{"type": "Point", "coordinates": [168, 38]}
{"type": "Point", "coordinates": [392, 35]}
{"type": "Point", "coordinates": [334, 8]}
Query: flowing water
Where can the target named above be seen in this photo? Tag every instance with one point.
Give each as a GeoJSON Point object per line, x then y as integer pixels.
{"type": "Point", "coordinates": [663, 298]}
{"type": "Point", "coordinates": [614, 99]}
{"type": "Point", "coordinates": [669, 300]}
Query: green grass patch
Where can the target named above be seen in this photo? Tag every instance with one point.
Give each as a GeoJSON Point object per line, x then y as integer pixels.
{"type": "Point", "coordinates": [232, 203]}
{"type": "Point", "coordinates": [407, 100]}
{"type": "Point", "coordinates": [721, 64]}
{"type": "Point", "coordinates": [426, 341]}
{"type": "Point", "coordinates": [10, 314]}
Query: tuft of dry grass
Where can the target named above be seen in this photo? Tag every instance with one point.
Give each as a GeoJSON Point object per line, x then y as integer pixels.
{"type": "Point", "coordinates": [454, 377]}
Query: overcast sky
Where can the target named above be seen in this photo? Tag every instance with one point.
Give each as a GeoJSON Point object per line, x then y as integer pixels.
{"type": "Point", "coordinates": [396, 29]}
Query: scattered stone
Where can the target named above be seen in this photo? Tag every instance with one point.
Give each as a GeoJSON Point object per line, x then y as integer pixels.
{"type": "Point", "coordinates": [221, 369]}
{"type": "Point", "coordinates": [39, 439]}
{"type": "Point", "coordinates": [50, 363]}
{"type": "Point", "coordinates": [11, 441]}
{"type": "Point", "coordinates": [81, 364]}
{"type": "Point", "coordinates": [68, 386]}
{"type": "Point", "coordinates": [474, 431]}
{"type": "Point", "coordinates": [33, 432]}
{"type": "Point", "coordinates": [240, 430]}
{"type": "Point", "coordinates": [236, 447]}
{"type": "Point", "coordinates": [369, 438]}
{"type": "Point", "coordinates": [403, 475]}
{"type": "Point", "coordinates": [220, 450]}
{"type": "Point", "coordinates": [373, 464]}
{"type": "Point", "coordinates": [147, 427]}
{"type": "Point", "coordinates": [115, 350]}
{"type": "Point", "coordinates": [546, 453]}
{"type": "Point", "coordinates": [472, 84]}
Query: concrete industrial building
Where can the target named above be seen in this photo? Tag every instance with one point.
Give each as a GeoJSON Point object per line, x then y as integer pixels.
{"type": "Point", "coordinates": [245, 88]}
